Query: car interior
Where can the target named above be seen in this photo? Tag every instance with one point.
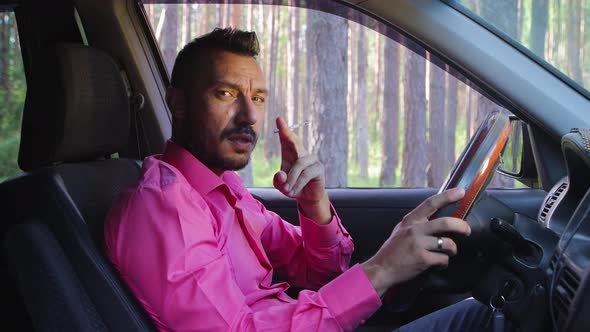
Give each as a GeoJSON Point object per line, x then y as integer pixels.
{"type": "Point", "coordinates": [95, 108]}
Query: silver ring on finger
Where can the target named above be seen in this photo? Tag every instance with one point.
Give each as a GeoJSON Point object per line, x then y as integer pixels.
{"type": "Point", "coordinates": [439, 243]}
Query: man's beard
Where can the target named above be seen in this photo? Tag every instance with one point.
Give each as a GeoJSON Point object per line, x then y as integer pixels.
{"type": "Point", "coordinates": [214, 160]}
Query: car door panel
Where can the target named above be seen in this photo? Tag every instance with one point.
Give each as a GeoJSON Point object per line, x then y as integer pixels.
{"type": "Point", "coordinates": [370, 215]}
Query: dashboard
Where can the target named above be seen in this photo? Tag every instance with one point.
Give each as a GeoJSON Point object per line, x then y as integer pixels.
{"type": "Point", "coordinates": [567, 212]}
{"type": "Point", "coordinates": [544, 279]}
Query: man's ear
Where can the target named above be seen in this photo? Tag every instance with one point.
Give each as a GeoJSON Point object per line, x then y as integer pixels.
{"type": "Point", "coordinates": [176, 101]}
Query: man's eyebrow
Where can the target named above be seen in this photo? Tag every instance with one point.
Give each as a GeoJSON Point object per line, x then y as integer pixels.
{"type": "Point", "coordinates": [239, 87]}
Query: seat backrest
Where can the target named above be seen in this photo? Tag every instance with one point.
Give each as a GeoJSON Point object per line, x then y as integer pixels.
{"type": "Point", "coordinates": [53, 294]}
{"type": "Point", "coordinates": [71, 182]}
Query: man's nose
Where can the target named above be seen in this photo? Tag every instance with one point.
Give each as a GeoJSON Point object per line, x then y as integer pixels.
{"type": "Point", "coordinates": [247, 113]}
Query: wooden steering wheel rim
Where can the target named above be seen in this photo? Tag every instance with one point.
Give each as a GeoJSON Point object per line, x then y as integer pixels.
{"type": "Point", "coordinates": [477, 164]}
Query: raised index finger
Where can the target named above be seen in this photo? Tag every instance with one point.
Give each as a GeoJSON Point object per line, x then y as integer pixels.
{"type": "Point", "coordinates": [433, 203]}
{"type": "Point", "coordinates": [288, 138]}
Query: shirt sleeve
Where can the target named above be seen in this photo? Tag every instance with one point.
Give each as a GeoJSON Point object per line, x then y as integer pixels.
{"type": "Point", "coordinates": [308, 256]}
{"type": "Point", "coordinates": [168, 254]}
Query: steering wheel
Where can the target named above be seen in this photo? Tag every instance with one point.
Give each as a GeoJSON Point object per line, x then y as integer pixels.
{"type": "Point", "coordinates": [473, 171]}
{"type": "Point", "coordinates": [476, 166]}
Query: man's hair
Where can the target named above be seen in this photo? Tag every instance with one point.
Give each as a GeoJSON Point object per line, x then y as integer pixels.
{"type": "Point", "coordinates": [228, 39]}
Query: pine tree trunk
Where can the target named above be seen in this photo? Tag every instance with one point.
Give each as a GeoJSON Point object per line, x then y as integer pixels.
{"type": "Point", "coordinates": [307, 138]}
{"type": "Point", "coordinates": [436, 107]}
{"type": "Point", "coordinates": [415, 151]}
{"type": "Point", "coordinates": [360, 112]}
{"type": "Point", "coordinates": [293, 69]}
{"type": "Point", "coordinates": [149, 11]}
{"type": "Point", "coordinates": [218, 11]}
{"type": "Point", "coordinates": [352, 84]}
{"type": "Point", "coordinates": [469, 112]}
{"type": "Point", "coordinates": [557, 30]}
{"type": "Point", "coordinates": [297, 61]}
{"type": "Point", "coordinates": [186, 23]}
{"type": "Point", "coordinates": [205, 22]}
{"type": "Point", "coordinates": [378, 85]}
{"type": "Point", "coordinates": [250, 17]}
{"type": "Point", "coordinates": [502, 14]}
{"type": "Point", "coordinates": [4, 51]}
{"type": "Point", "coordinates": [271, 147]}
{"type": "Point", "coordinates": [539, 26]}
{"type": "Point", "coordinates": [328, 33]}
{"type": "Point", "coordinates": [450, 123]}
{"type": "Point", "coordinates": [574, 40]}
{"type": "Point", "coordinates": [226, 14]}
{"type": "Point", "coordinates": [390, 129]}
{"type": "Point", "coordinates": [5, 79]}
{"type": "Point", "coordinates": [234, 16]}
{"type": "Point", "coordinates": [170, 35]}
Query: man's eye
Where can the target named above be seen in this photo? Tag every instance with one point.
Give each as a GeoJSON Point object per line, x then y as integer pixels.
{"type": "Point", "coordinates": [224, 93]}
{"type": "Point", "coordinates": [258, 99]}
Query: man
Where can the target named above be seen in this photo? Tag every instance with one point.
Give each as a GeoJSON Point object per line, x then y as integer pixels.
{"type": "Point", "coordinates": [200, 252]}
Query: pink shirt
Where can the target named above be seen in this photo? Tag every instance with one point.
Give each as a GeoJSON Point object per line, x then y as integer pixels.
{"type": "Point", "coordinates": [199, 252]}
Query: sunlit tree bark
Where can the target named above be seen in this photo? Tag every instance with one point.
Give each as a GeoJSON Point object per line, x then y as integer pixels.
{"type": "Point", "coordinates": [352, 83]}
{"type": "Point", "coordinates": [450, 123]}
{"type": "Point", "coordinates": [271, 147]}
{"type": "Point", "coordinates": [187, 13]}
{"type": "Point", "coordinates": [436, 122]}
{"type": "Point", "coordinates": [539, 26]}
{"type": "Point", "coordinates": [361, 123]}
{"type": "Point", "coordinates": [306, 116]}
{"type": "Point", "coordinates": [502, 14]}
{"type": "Point", "coordinates": [556, 29]}
{"type": "Point", "coordinates": [293, 67]}
{"type": "Point", "coordinates": [378, 86]}
{"type": "Point", "coordinates": [234, 16]}
{"type": "Point", "coordinates": [574, 40]}
{"type": "Point", "coordinates": [390, 130]}
{"type": "Point", "coordinates": [205, 21]}
{"type": "Point", "coordinates": [415, 151]}
{"type": "Point", "coordinates": [170, 35]}
{"type": "Point", "coordinates": [328, 34]}
{"type": "Point", "coordinates": [4, 56]}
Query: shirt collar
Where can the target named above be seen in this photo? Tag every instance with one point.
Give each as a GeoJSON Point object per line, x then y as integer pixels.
{"type": "Point", "coordinates": [195, 172]}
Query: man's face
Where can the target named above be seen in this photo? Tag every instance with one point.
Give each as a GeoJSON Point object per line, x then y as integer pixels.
{"type": "Point", "coordinates": [225, 106]}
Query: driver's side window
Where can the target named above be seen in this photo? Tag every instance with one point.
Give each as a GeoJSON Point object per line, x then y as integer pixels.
{"type": "Point", "coordinates": [378, 109]}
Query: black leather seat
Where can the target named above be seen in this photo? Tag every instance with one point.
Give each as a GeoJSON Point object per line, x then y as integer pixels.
{"type": "Point", "coordinates": [68, 187]}
{"type": "Point", "coordinates": [53, 294]}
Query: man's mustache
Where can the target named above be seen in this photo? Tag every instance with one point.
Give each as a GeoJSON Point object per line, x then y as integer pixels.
{"type": "Point", "coordinates": [239, 130]}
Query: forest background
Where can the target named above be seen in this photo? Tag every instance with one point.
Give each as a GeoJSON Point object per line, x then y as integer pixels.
{"type": "Point", "coordinates": [377, 113]}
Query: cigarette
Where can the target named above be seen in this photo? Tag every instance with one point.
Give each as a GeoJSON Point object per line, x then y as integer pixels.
{"type": "Point", "coordinates": [294, 126]}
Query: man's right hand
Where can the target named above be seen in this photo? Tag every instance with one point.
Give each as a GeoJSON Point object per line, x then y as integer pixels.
{"type": "Point", "coordinates": [412, 247]}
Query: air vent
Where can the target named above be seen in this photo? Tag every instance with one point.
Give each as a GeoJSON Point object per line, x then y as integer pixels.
{"type": "Point", "coordinates": [564, 293]}
{"type": "Point", "coordinates": [550, 202]}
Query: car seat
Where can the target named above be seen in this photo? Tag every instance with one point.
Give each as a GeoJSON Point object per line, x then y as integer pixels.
{"type": "Point", "coordinates": [53, 212]}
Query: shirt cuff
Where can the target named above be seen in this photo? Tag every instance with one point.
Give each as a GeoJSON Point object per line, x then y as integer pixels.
{"type": "Point", "coordinates": [322, 236]}
{"type": "Point", "coordinates": [351, 298]}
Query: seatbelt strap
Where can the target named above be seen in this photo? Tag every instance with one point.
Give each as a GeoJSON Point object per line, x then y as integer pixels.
{"type": "Point", "coordinates": [136, 104]}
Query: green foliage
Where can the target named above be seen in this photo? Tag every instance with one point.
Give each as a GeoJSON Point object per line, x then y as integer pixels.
{"type": "Point", "coordinates": [12, 97]}
{"type": "Point", "coordinates": [8, 153]}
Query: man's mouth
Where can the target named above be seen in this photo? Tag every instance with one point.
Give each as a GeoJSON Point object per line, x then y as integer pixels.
{"type": "Point", "coordinates": [243, 142]}
{"type": "Point", "coordinates": [241, 138]}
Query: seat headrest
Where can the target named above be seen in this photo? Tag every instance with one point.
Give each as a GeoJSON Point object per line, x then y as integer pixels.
{"type": "Point", "coordinates": [76, 109]}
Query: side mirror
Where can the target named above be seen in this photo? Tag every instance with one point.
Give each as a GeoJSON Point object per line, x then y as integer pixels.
{"type": "Point", "coordinates": [517, 159]}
